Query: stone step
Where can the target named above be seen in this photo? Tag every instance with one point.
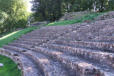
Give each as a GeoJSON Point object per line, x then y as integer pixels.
{"type": "Point", "coordinates": [29, 68]}
{"type": "Point", "coordinates": [26, 42]}
{"type": "Point", "coordinates": [48, 33]}
{"type": "Point", "coordinates": [42, 32]}
{"type": "Point", "coordinates": [67, 62]}
{"type": "Point", "coordinates": [86, 53]}
{"type": "Point", "coordinates": [74, 36]}
{"type": "Point", "coordinates": [39, 37]}
{"type": "Point", "coordinates": [33, 40]}
{"type": "Point", "coordinates": [82, 67]}
{"type": "Point", "coordinates": [42, 35]}
{"type": "Point", "coordinates": [105, 46]}
{"type": "Point", "coordinates": [46, 38]}
{"type": "Point", "coordinates": [104, 38]}
{"type": "Point", "coordinates": [49, 67]}
{"type": "Point", "coordinates": [45, 34]}
{"type": "Point", "coordinates": [96, 55]}
{"type": "Point", "coordinates": [26, 46]}
{"type": "Point", "coordinates": [49, 54]}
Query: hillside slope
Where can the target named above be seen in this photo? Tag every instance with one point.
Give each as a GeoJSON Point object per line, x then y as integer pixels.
{"type": "Point", "coordinates": [85, 49]}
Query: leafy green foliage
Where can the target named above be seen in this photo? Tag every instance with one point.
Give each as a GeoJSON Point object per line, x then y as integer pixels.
{"type": "Point", "coordinates": [13, 14]}
{"type": "Point", "coordinates": [10, 68]}
{"type": "Point", "coordinates": [47, 9]}
{"type": "Point", "coordinates": [89, 16]}
{"type": "Point", "coordinates": [52, 10]}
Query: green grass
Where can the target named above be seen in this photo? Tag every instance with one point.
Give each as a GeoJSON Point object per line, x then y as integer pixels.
{"type": "Point", "coordinates": [89, 16]}
{"type": "Point", "coordinates": [14, 35]}
{"type": "Point", "coordinates": [10, 68]}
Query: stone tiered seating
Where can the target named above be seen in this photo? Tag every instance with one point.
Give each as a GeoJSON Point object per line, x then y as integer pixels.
{"type": "Point", "coordinates": [27, 65]}
{"type": "Point", "coordinates": [104, 46]}
{"type": "Point", "coordinates": [74, 50]}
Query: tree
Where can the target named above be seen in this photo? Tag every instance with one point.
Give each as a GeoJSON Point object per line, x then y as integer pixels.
{"type": "Point", "coordinates": [16, 11]}
{"type": "Point", "coordinates": [111, 4]}
{"type": "Point", "coordinates": [53, 9]}
{"type": "Point", "coordinates": [49, 10]}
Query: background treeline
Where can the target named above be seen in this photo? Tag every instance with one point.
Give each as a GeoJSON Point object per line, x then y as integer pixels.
{"type": "Point", "coordinates": [13, 15]}
{"type": "Point", "coordinates": [52, 10]}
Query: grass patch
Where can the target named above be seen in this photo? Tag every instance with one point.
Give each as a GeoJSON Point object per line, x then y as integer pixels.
{"type": "Point", "coordinates": [89, 17]}
{"type": "Point", "coordinates": [14, 35]}
{"type": "Point", "coordinates": [10, 68]}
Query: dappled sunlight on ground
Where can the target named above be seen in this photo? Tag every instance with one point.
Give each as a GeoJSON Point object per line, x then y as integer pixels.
{"type": "Point", "coordinates": [44, 60]}
{"type": "Point", "coordinates": [57, 53]}
{"type": "Point", "coordinates": [9, 35]}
